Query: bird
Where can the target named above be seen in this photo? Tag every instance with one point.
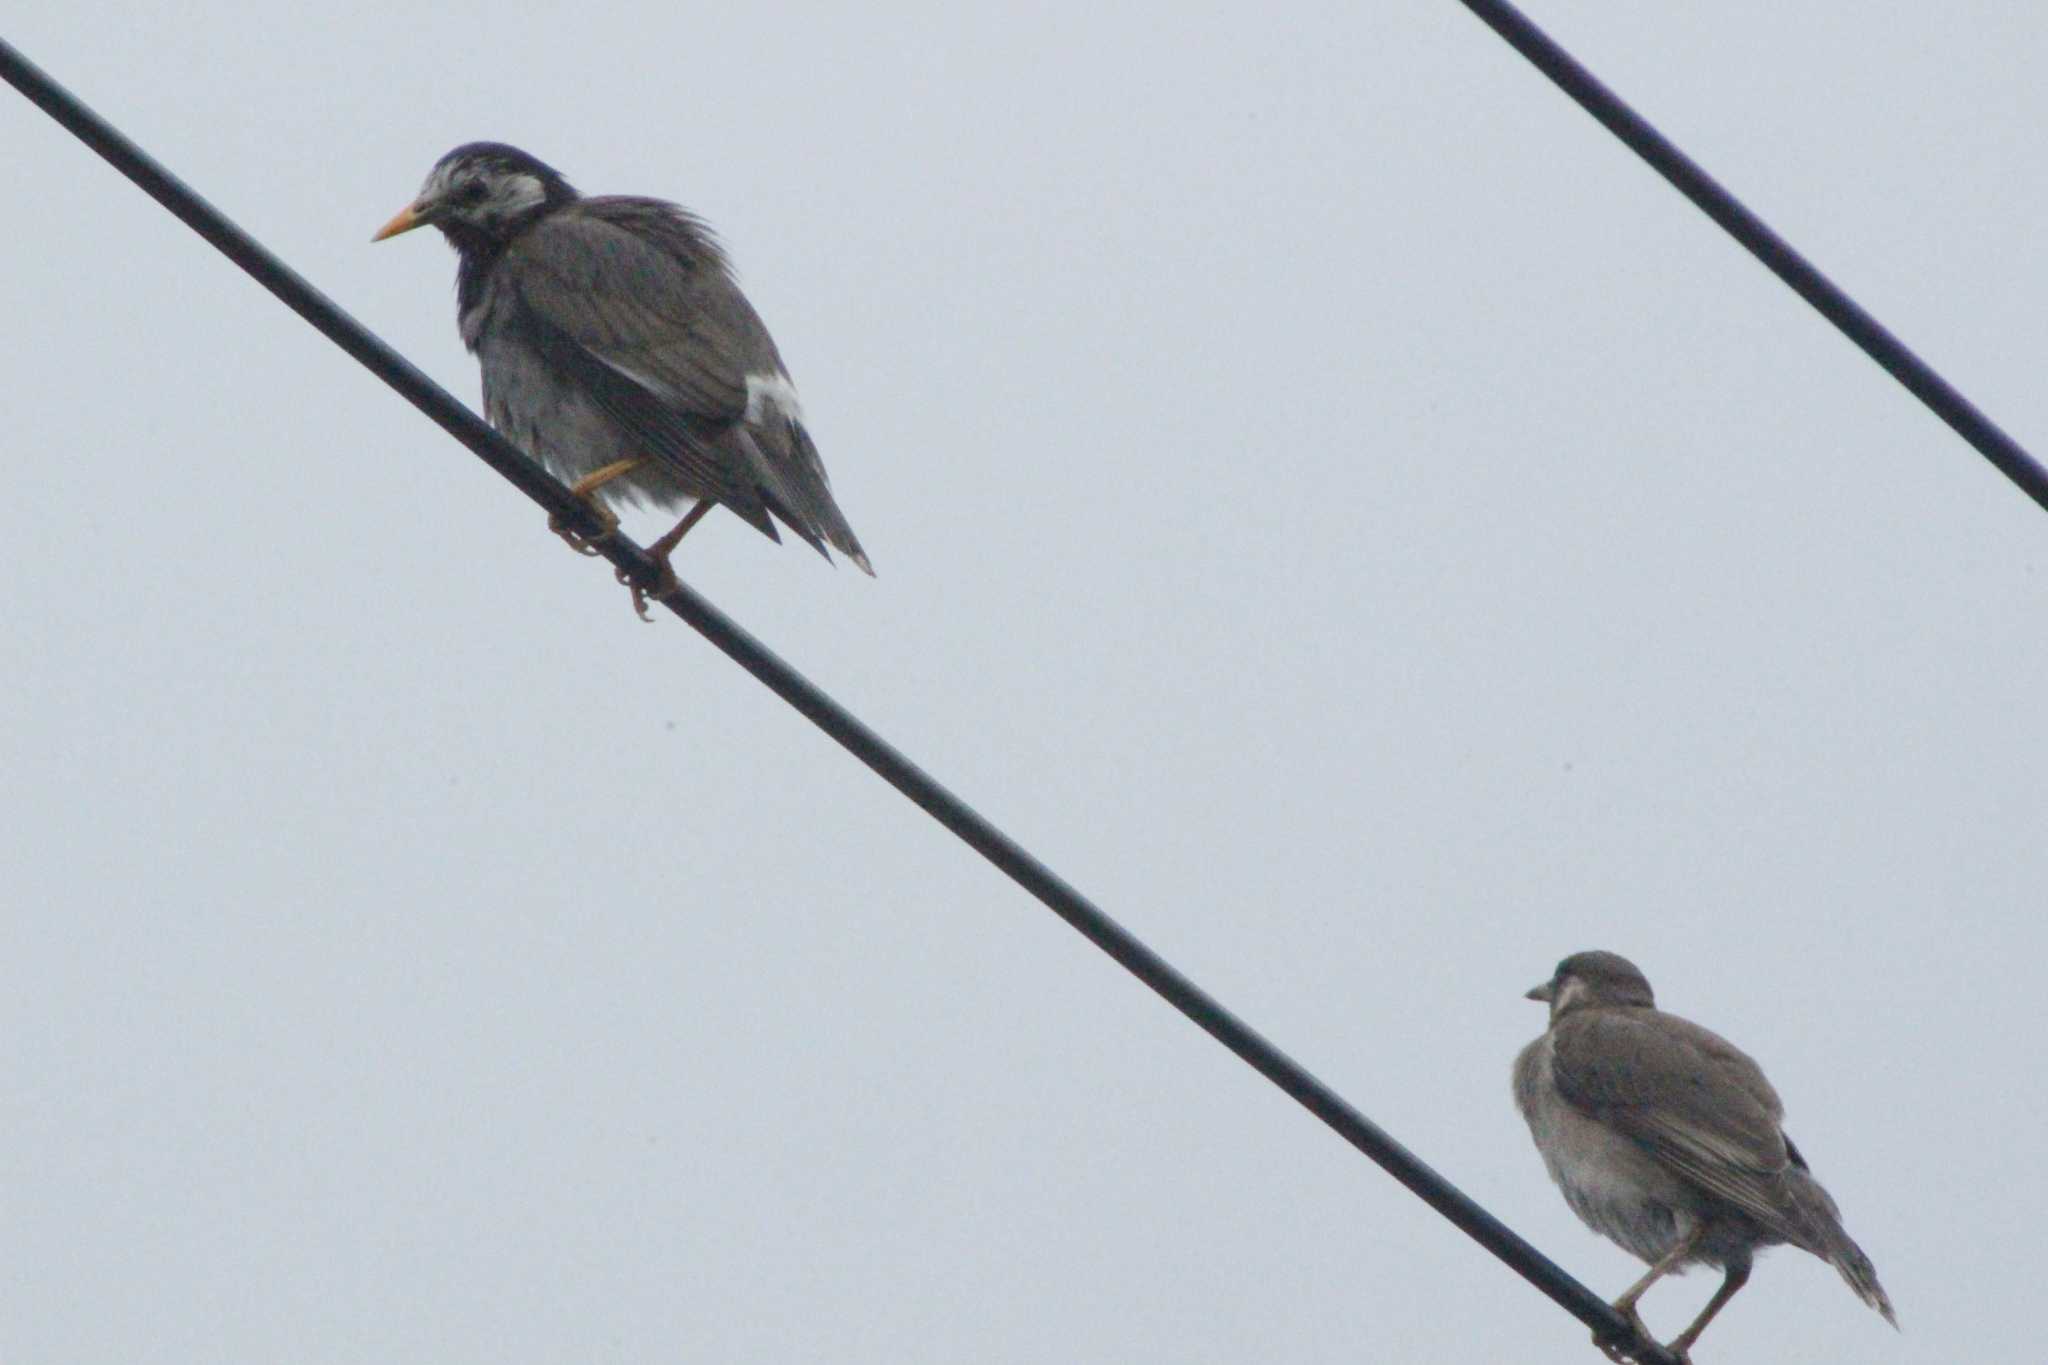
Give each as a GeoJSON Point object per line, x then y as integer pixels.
{"type": "Point", "coordinates": [1667, 1140]}
{"type": "Point", "coordinates": [617, 349]}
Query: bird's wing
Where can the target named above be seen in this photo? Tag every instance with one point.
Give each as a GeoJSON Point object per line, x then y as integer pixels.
{"type": "Point", "coordinates": [1691, 1098]}
{"type": "Point", "coordinates": [633, 299]}
{"type": "Point", "coordinates": [642, 288]}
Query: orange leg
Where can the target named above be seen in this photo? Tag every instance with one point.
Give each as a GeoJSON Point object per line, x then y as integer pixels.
{"type": "Point", "coordinates": [583, 488]}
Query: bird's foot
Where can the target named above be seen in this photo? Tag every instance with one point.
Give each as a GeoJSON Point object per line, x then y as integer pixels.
{"type": "Point", "coordinates": [1628, 1349]}
{"type": "Point", "coordinates": [581, 544]}
{"type": "Point", "coordinates": [1615, 1349]}
{"type": "Point", "coordinates": [664, 587]}
{"type": "Point", "coordinates": [1633, 1352]}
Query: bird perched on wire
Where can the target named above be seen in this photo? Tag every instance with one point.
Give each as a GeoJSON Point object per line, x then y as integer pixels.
{"type": "Point", "coordinates": [617, 350]}
{"type": "Point", "coordinates": [1666, 1139]}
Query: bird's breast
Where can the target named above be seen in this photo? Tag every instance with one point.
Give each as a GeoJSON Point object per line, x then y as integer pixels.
{"type": "Point", "coordinates": [1613, 1185]}
{"type": "Point", "coordinates": [558, 423]}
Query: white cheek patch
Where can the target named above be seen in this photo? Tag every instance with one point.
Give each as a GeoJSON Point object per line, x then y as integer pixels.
{"type": "Point", "coordinates": [1573, 992]}
{"type": "Point", "coordinates": [510, 195]}
{"type": "Point", "coordinates": [766, 391]}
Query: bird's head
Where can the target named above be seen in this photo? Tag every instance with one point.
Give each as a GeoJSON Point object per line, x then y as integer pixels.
{"type": "Point", "coordinates": [482, 193]}
{"type": "Point", "coordinates": [1594, 979]}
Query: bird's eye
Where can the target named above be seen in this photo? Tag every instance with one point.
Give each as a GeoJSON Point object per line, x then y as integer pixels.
{"type": "Point", "coordinates": [472, 192]}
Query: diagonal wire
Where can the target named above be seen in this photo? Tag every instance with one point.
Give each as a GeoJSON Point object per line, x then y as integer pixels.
{"type": "Point", "coordinates": [870, 748]}
{"type": "Point", "coordinates": [1777, 254]}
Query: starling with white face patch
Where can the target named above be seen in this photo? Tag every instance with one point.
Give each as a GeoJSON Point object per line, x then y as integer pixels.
{"type": "Point", "coordinates": [1666, 1140]}
{"type": "Point", "coordinates": [618, 351]}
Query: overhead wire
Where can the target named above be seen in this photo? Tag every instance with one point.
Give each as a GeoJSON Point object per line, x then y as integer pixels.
{"type": "Point", "coordinates": [1757, 237]}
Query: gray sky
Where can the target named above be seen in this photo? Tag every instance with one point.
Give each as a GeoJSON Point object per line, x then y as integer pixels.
{"type": "Point", "coordinates": [1330, 501]}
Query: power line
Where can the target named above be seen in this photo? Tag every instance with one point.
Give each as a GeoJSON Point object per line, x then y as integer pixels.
{"type": "Point", "coordinates": [1777, 254]}
{"type": "Point", "coordinates": [892, 766]}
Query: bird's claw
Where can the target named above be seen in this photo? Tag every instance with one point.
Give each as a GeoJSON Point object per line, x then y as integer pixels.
{"type": "Point", "coordinates": [664, 586]}
{"type": "Point", "coordinates": [1626, 1350]}
{"type": "Point", "coordinates": [580, 543]}
{"type": "Point", "coordinates": [1631, 1350]}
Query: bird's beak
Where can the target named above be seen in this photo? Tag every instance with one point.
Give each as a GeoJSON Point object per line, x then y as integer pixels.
{"type": "Point", "coordinates": [1544, 993]}
{"type": "Point", "coordinates": [405, 220]}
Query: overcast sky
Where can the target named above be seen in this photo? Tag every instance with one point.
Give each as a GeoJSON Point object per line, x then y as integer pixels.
{"type": "Point", "coordinates": [1330, 501]}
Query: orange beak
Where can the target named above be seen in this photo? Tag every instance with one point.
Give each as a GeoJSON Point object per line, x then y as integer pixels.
{"type": "Point", "coordinates": [405, 220]}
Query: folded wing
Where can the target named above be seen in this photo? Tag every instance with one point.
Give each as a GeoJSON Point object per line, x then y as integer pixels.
{"type": "Point", "coordinates": [634, 299]}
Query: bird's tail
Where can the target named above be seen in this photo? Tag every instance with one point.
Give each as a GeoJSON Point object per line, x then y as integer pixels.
{"type": "Point", "coordinates": [1856, 1268]}
{"type": "Point", "coordinates": [824, 514]}
{"type": "Point", "coordinates": [1823, 1235]}
{"type": "Point", "coordinates": [804, 501]}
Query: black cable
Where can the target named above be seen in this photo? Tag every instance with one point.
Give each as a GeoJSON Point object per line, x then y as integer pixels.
{"type": "Point", "coordinates": [870, 748]}
{"type": "Point", "coordinates": [1767, 246]}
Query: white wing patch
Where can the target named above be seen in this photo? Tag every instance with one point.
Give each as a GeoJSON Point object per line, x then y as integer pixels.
{"type": "Point", "coordinates": [765, 391]}
{"type": "Point", "coordinates": [772, 390]}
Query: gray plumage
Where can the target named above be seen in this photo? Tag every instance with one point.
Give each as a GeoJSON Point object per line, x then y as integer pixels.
{"type": "Point", "coordinates": [1666, 1138]}
{"type": "Point", "coordinates": [609, 329]}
